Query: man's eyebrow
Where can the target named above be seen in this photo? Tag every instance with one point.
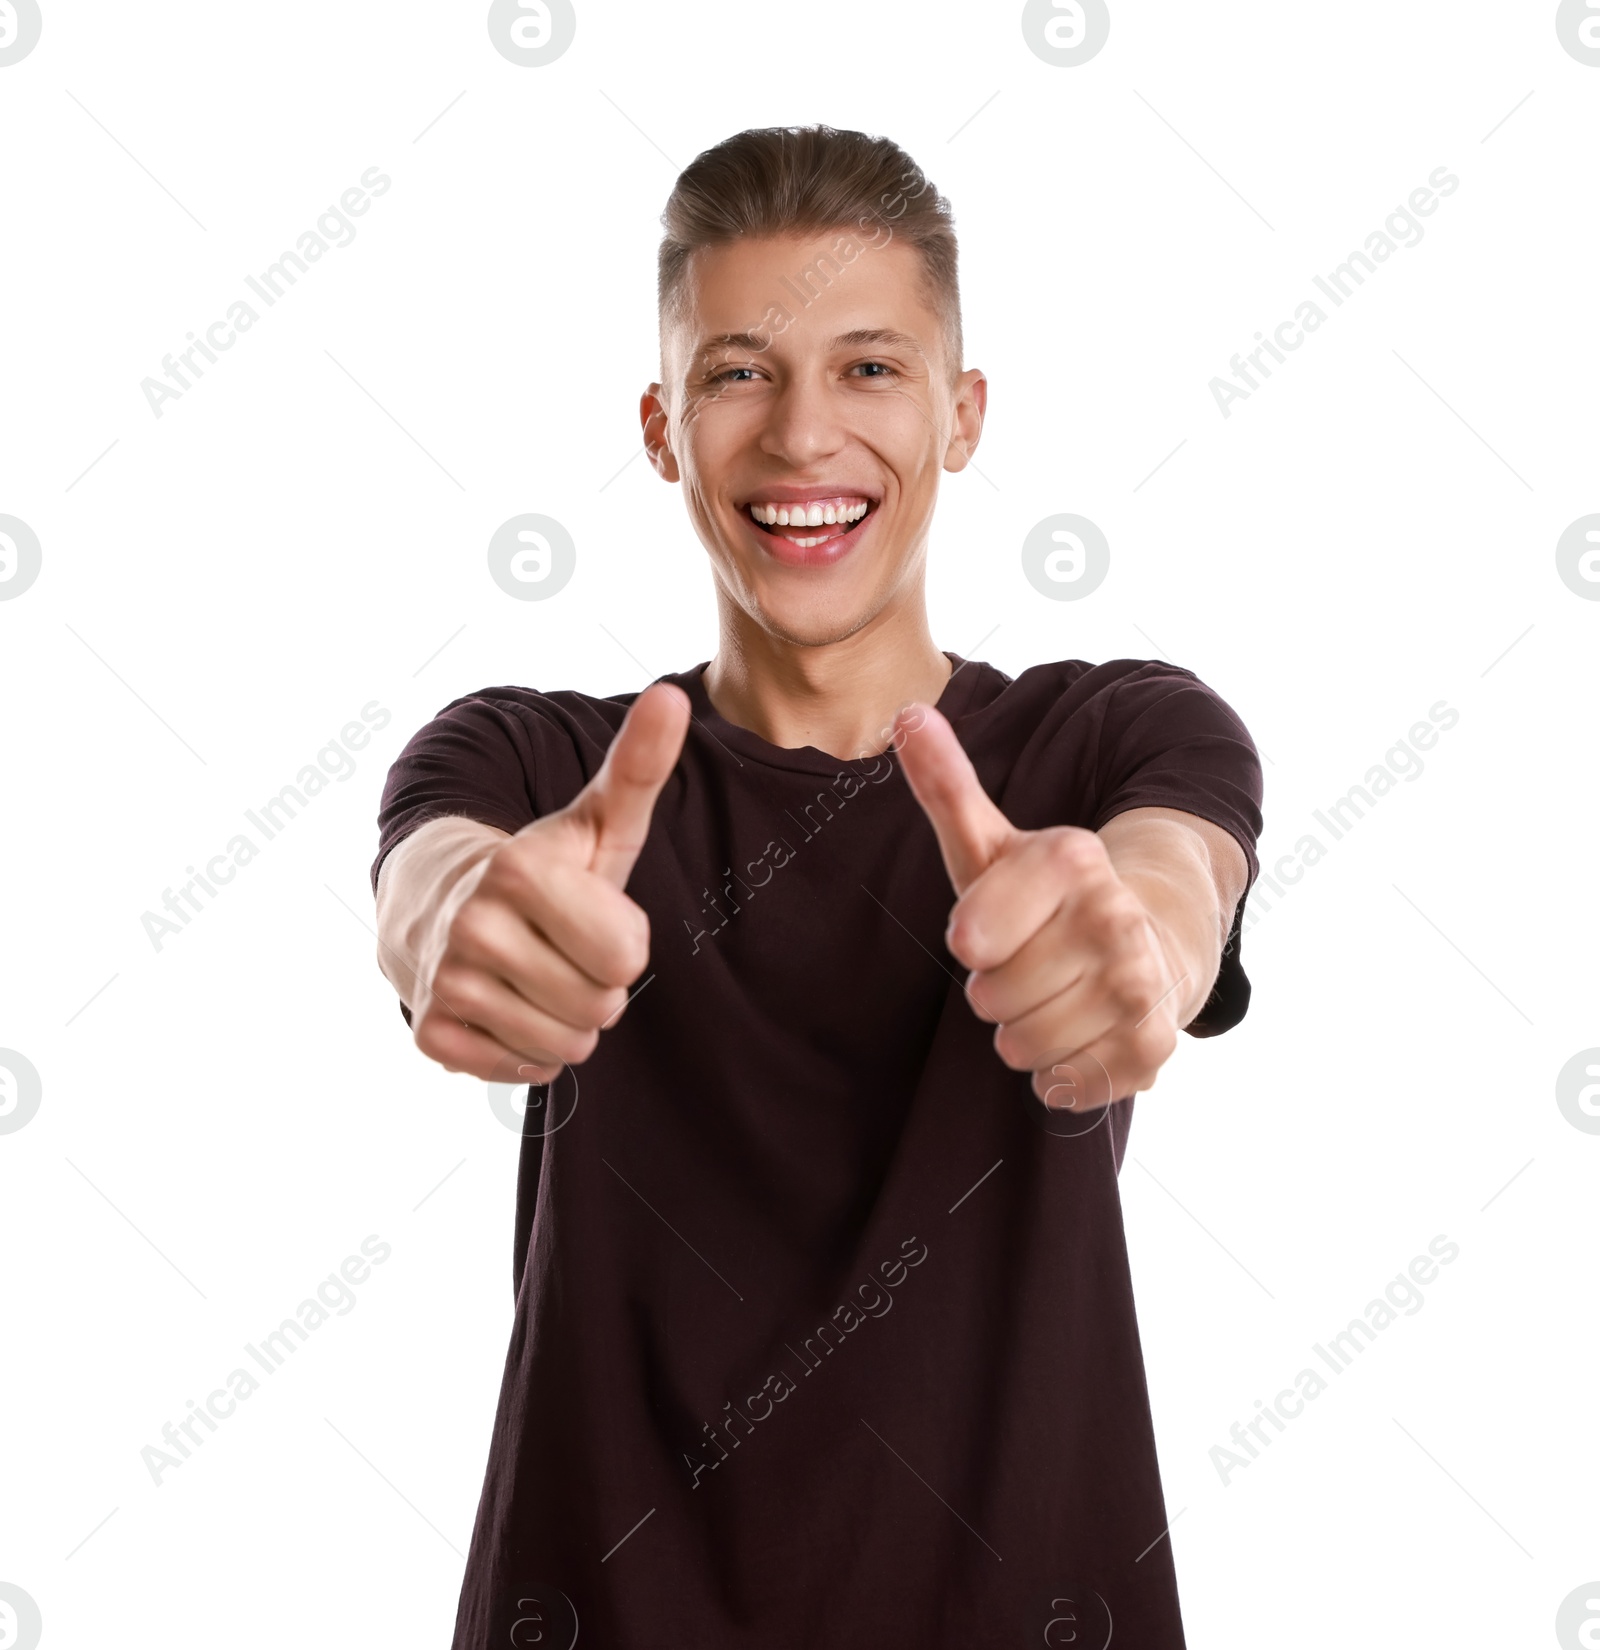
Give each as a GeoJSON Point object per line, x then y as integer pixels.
{"type": "Point", "coordinates": [730, 340]}
{"type": "Point", "coordinates": [886, 336]}
{"type": "Point", "coordinates": [756, 343]}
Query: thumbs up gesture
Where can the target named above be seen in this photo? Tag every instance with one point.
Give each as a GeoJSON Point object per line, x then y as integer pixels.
{"type": "Point", "coordinates": [535, 946]}
{"type": "Point", "coordinates": [1066, 959]}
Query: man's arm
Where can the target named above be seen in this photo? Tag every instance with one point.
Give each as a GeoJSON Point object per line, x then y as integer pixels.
{"type": "Point", "coordinates": [1089, 950]}
{"type": "Point", "coordinates": [513, 951]}
{"type": "Point", "coordinates": [1190, 875]}
{"type": "Point", "coordinates": [415, 882]}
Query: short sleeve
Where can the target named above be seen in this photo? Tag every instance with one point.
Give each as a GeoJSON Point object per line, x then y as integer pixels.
{"type": "Point", "coordinates": [1169, 741]}
{"type": "Point", "coordinates": [474, 759]}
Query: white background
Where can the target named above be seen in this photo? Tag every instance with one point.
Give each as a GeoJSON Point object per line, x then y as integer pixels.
{"type": "Point", "coordinates": [304, 532]}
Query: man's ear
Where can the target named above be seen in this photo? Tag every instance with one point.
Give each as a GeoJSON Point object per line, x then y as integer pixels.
{"type": "Point", "coordinates": [653, 418]}
{"type": "Point", "coordinates": [966, 419]}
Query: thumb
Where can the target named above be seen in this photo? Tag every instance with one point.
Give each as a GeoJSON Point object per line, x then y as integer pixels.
{"type": "Point", "coordinates": [972, 831]}
{"type": "Point", "coordinates": [618, 801]}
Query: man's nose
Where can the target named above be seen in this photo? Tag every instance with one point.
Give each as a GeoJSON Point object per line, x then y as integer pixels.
{"type": "Point", "coordinates": [804, 419]}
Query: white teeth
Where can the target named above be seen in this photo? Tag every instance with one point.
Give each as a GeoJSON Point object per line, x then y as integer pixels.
{"type": "Point", "coordinates": [815, 515]}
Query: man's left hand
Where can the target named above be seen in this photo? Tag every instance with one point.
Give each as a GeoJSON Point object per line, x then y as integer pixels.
{"type": "Point", "coordinates": [1065, 958]}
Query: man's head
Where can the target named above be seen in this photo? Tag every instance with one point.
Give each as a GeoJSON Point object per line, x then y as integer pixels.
{"type": "Point", "coordinates": [810, 351]}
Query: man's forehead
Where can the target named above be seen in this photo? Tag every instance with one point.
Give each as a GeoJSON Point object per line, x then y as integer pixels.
{"type": "Point", "coordinates": [753, 293]}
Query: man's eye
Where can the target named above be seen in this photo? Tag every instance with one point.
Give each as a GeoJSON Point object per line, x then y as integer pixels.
{"type": "Point", "coordinates": [725, 375]}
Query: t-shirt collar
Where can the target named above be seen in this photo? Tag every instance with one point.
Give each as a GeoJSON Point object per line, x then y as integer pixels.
{"type": "Point", "coordinates": [746, 745]}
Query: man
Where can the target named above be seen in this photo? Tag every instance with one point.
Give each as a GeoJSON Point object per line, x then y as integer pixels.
{"type": "Point", "coordinates": [833, 964]}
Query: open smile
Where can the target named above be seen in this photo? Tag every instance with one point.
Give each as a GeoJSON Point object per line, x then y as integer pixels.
{"type": "Point", "coordinates": [812, 532]}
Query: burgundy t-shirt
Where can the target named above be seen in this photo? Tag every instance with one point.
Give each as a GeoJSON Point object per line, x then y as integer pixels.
{"type": "Point", "coordinates": [824, 1331]}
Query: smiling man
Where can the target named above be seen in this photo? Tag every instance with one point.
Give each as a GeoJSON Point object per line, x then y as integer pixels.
{"type": "Point", "coordinates": [833, 964]}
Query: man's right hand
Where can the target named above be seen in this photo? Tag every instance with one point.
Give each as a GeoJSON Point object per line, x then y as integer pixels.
{"type": "Point", "coordinates": [533, 950]}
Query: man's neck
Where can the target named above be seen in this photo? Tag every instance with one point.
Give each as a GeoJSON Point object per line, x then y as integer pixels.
{"type": "Point", "coordinates": [840, 697]}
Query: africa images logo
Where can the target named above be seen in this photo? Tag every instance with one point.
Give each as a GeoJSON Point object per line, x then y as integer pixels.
{"type": "Point", "coordinates": [20, 1092]}
{"type": "Point", "coordinates": [1066, 33]}
{"type": "Point", "coordinates": [545, 1617]}
{"type": "Point", "coordinates": [532, 33]}
{"type": "Point", "coordinates": [1578, 30]}
{"type": "Point", "coordinates": [20, 27]}
{"type": "Point", "coordinates": [20, 555]}
{"type": "Point", "coordinates": [1578, 1619]}
{"type": "Point", "coordinates": [21, 1624]}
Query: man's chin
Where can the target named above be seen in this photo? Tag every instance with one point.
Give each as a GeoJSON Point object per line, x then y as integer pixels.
{"type": "Point", "coordinates": [810, 624]}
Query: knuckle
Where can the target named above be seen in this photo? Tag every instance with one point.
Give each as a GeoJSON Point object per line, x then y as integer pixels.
{"type": "Point", "coordinates": [555, 1050]}
{"type": "Point", "coordinates": [633, 947]}
{"type": "Point", "coordinates": [560, 1044]}
{"type": "Point", "coordinates": [580, 1045]}
{"type": "Point", "coordinates": [1132, 1000]}
{"type": "Point", "coordinates": [470, 928]}
{"type": "Point", "coordinates": [544, 1054]}
{"type": "Point", "coordinates": [1071, 845]}
{"type": "Point", "coordinates": [982, 997]}
{"type": "Point", "coordinates": [433, 1040]}
{"type": "Point", "coordinates": [1011, 1049]}
{"type": "Point", "coordinates": [609, 1006]}
{"type": "Point", "coordinates": [501, 869]}
{"type": "Point", "coordinates": [1117, 921]}
{"type": "Point", "coordinates": [619, 966]}
{"type": "Point", "coordinates": [1130, 990]}
{"type": "Point", "coordinates": [961, 943]}
{"type": "Point", "coordinates": [516, 867]}
{"type": "Point", "coordinates": [459, 990]}
{"type": "Point", "coordinates": [1155, 1041]}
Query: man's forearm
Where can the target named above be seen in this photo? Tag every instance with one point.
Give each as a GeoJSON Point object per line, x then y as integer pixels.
{"type": "Point", "coordinates": [419, 883]}
{"type": "Point", "coordinates": [1168, 866]}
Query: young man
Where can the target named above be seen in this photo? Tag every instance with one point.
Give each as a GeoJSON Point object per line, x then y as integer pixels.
{"type": "Point", "coordinates": [834, 964]}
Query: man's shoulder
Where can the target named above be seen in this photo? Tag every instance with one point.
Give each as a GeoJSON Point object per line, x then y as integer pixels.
{"type": "Point", "coordinates": [1100, 718]}
{"type": "Point", "coordinates": [571, 712]}
{"type": "Point", "coordinates": [1109, 672]}
{"type": "Point", "coordinates": [1074, 682]}
{"type": "Point", "coordinates": [517, 696]}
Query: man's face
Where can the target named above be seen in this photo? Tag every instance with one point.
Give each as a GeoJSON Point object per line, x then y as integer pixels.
{"type": "Point", "coordinates": [848, 410]}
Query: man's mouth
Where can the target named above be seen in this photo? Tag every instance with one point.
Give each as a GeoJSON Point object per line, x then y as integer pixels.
{"type": "Point", "coordinates": [813, 522]}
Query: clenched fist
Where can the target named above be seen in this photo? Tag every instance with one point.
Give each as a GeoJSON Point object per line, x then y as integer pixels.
{"type": "Point", "coordinates": [1067, 961]}
{"type": "Point", "coordinates": [530, 956]}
